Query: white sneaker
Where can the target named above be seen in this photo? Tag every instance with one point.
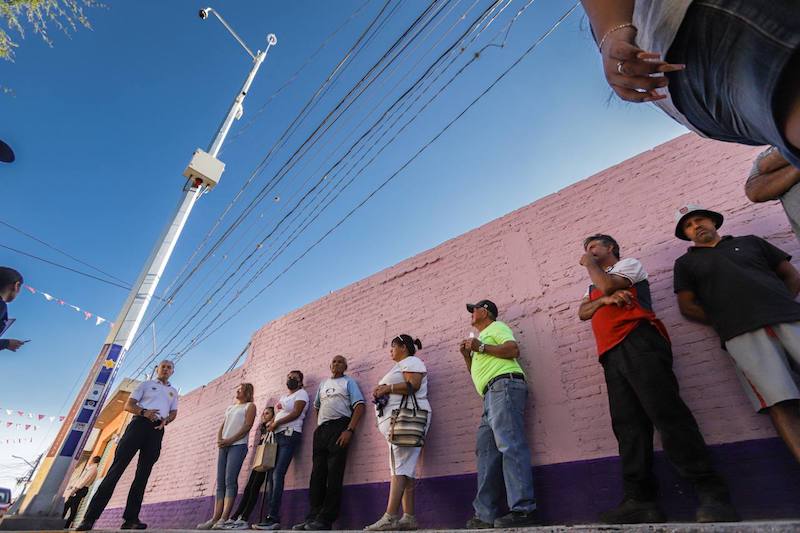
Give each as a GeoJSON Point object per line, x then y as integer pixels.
{"type": "Point", "coordinates": [205, 525]}
{"type": "Point", "coordinates": [238, 524]}
{"type": "Point", "coordinates": [222, 524]}
{"type": "Point", "coordinates": [386, 523]}
{"type": "Point", "coordinates": [407, 523]}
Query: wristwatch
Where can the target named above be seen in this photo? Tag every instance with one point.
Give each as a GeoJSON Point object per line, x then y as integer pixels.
{"type": "Point", "coordinates": [482, 347]}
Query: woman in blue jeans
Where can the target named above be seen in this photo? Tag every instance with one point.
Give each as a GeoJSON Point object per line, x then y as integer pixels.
{"type": "Point", "coordinates": [288, 428]}
{"type": "Point", "coordinates": [232, 443]}
{"type": "Point", "coordinates": [727, 69]}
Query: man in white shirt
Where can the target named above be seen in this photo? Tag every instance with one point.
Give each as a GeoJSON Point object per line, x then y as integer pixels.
{"type": "Point", "coordinates": [154, 404]}
{"type": "Point", "coordinates": [79, 490]}
{"type": "Point", "coordinates": [340, 406]}
{"type": "Point", "coordinates": [290, 411]}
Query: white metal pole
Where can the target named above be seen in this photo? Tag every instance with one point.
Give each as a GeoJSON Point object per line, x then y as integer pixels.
{"type": "Point", "coordinates": [46, 499]}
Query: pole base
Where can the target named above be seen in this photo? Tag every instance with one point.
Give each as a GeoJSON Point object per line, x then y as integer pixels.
{"type": "Point", "coordinates": [31, 523]}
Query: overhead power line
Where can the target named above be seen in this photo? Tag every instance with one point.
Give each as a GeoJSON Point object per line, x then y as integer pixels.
{"type": "Point", "coordinates": [85, 274]}
{"type": "Point", "coordinates": [267, 158]}
{"type": "Point", "coordinates": [206, 332]}
{"type": "Point", "coordinates": [307, 144]}
{"type": "Point", "coordinates": [62, 252]}
{"type": "Point", "coordinates": [296, 74]}
{"type": "Point", "coordinates": [343, 105]}
{"type": "Point", "coordinates": [483, 17]}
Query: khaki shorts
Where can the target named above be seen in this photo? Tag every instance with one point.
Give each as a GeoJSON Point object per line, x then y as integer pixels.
{"type": "Point", "coordinates": [767, 363]}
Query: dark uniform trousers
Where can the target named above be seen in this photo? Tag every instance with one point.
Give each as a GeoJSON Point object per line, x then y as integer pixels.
{"type": "Point", "coordinates": [643, 393]}
{"type": "Point", "coordinates": [327, 472]}
{"type": "Point", "coordinates": [140, 436]}
{"type": "Point", "coordinates": [72, 504]}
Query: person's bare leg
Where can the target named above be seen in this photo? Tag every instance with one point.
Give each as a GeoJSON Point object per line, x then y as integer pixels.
{"type": "Point", "coordinates": [408, 496]}
{"type": "Point", "coordinates": [217, 509]}
{"type": "Point", "coordinates": [786, 419]}
{"type": "Point", "coordinates": [396, 490]}
{"type": "Point", "coordinates": [226, 510]}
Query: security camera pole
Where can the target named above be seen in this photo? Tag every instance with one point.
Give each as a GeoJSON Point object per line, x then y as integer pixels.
{"type": "Point", "coordinates": [43, 505]}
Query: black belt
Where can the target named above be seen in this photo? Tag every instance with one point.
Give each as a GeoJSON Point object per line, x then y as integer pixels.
{"type": "Point", "coordinates": [510, 375]}
{"type": "Point", "coordinates": [153, 423]}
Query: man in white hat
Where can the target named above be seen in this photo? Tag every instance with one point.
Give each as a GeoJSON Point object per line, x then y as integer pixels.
{"type": "Point", "coordinates": [745, 288]}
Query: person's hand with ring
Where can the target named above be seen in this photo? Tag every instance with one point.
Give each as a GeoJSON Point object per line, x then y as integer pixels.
{"type": "Point", "coordinates": [634, 74]}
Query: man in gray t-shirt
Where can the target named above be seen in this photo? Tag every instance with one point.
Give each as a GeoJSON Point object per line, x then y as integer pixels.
{"type": "Point", "coordinates": [340, 406]}
{"type": "Point", "coordinates": [773, 178]}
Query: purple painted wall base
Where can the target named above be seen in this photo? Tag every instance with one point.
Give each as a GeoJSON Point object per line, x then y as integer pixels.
{"type": "Point", "coordinates": [764, 480]}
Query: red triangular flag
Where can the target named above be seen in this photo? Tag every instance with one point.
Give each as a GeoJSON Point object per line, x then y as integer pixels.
{"type": "Point", "coordinates": [21, 413]}
{"type": "Point", "coordinates": [61, 418]}
{"type": "Point", "coordinates": [33, 291]}
{"type": "Point", "coordinates": [40, 416]}
{"type": "Point", "coordinates": [27, 427]}
{"type": "Point", "coordinates": [9, 424]}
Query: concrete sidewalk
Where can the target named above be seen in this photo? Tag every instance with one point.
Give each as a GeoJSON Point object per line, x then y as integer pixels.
{"type": "Point", "coordinates": [778, 526]}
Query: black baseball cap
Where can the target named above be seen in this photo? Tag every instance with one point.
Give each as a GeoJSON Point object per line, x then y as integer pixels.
{"type": "Point", "coordinates": [486, 304]}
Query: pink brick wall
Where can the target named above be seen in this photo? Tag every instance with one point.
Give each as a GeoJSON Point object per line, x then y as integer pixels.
{"type": "Point", "coordinates": [527, 262]}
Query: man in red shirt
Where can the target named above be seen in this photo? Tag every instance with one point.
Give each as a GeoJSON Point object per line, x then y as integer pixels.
{"type": "Point", "coordinates": [634, 349]}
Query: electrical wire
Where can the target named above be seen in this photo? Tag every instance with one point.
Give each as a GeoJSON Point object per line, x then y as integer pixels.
{"type": "Point", "coordinates": [345, 186]}
{"type": "Point", "coordinates": [310, 141]}
{"type": "Point", "coordinates": [59, 265]}
{"type": "Point", "coordinates": [62, 252]}
{"type": "Point", "coordinates": [419, 152]}
{"type": "Point", "coordinates": [219, 288]}
{"type": "Point", "coordinates": [241, 131]}
{"type": "Point", "coordinates": [276, 146]}
{"type": "Point", "coordinates": [472, 28]}
{"type": "Point", "coordinates": [256, 221]}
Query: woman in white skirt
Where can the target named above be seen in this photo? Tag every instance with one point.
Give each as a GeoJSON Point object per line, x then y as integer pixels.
{"type": "Point", "coordinates": [232, 443]}
{"type": "Point", "coordinates": [408, 372]}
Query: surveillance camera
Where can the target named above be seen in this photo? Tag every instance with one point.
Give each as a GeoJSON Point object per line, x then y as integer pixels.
{"type": "Point", "coordinates": [203, 13]}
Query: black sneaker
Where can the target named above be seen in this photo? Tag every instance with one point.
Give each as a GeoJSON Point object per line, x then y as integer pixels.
{"type": "Point", "coordinates": [716, 511]}
{"type": "Point", "coordinates": [269, 524]}
{"type": "Point", "coordinates": [477, 523]}
{"type": "Point", "coordinates": [632, 511]}
{"type": "Point", "coordinates": [517, 519]}
{"type": "Point", "coordinates": [85, 526]}
{"type": "Point", "coordinates": [133, 525]}
{"type": "Point", "coordinates": [301, 526]}
{"type": "Point", "coordinates": [317, 525]}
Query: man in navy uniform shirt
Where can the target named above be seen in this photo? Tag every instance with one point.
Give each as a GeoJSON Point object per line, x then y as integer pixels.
{"type": "Point", "coordinates": [154, 404]}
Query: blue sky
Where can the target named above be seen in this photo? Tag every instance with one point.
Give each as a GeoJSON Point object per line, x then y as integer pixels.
{"type": "Point", "coordinates": [104, 122]}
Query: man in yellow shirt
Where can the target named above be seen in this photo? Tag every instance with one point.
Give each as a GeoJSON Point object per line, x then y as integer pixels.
{"type": "Point", "coordinates": [504, 458]}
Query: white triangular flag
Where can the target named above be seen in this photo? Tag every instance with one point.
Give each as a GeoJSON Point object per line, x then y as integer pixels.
{"type": "Point", "coordinates": [47, 296]}
{"type": "Point", "coordinates": [99, 320]}
{"type": "Point", "coordinates": [75, 307]}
